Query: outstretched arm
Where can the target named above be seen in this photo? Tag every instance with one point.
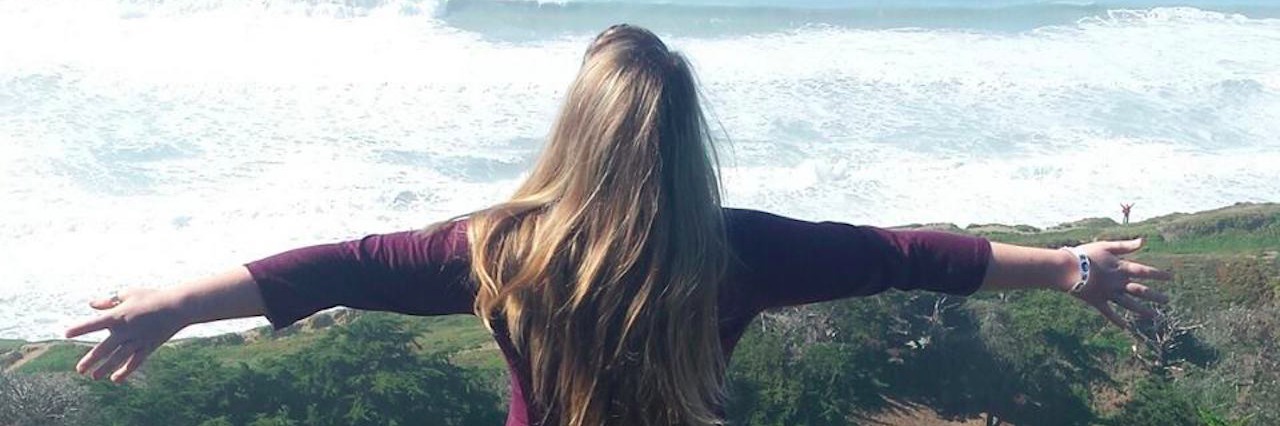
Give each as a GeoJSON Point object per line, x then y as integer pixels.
{"type": "Point", "coordinates": [791, 262]}
{"type": "Point", "coordinates": [409, 272]}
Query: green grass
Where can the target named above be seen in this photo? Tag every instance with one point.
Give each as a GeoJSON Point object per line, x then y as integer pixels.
{"type": "Point", "coordinates": [450, 334]}
{"type": "Point", "coordinates": [7, 345]}
{"type": "Point", "coordinates": [60, 358]}
{"type": "Point", "coordinates": [1226, 242]}
{"type": "Point", "coordinates": [234, 351]}
{"type": "Point", "coordinates": [1239, 229]}
{"type": "Point", "coordinates": [462, 338]}
{"type": "Point", "coordinates": [486, 359]}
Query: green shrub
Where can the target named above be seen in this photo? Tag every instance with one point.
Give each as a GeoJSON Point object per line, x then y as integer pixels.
{"type": "Point", "coordinates": [364, 373]}
{"type": "Point", "coordinates": [1157, 403]}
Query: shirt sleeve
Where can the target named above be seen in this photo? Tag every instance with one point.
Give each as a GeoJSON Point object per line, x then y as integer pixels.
{"type": "Point", "coordinates": [412, 272]}
{"type": "Point", "coordinates": [784, 262]}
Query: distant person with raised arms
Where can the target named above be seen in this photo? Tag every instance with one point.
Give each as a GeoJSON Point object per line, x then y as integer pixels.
{"type": "Point", "coordinates": [613, 280]}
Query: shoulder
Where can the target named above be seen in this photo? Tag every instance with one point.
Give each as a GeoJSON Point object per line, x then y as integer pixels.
{"type": "Point", "coordinates": [746, 222]}
{"type": "Point", "coordinates": [766, 249]}
{"type": "Point", "coordinates": [750, 229]}
{"type": "Point", "coordinates": [747, 216]}
{"type": "Point", "coordinates": [444, 240]}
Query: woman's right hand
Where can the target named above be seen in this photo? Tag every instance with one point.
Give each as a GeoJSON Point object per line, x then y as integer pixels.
{"type": "Point", "coordinates": [139, 320]}
{"type": "Point", "coordinates": [1114, 279]}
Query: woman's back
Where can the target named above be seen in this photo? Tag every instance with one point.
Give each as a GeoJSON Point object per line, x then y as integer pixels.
{"type": "Point", "coordinates": [776, 261]}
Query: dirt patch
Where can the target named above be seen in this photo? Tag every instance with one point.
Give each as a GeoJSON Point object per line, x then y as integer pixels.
{"type": "Point", "coordinates": [27, 353]}
{"type": "Point", "coordinates": [1000, 229]}
{"type": "Point", "coordinates": [906, 414]}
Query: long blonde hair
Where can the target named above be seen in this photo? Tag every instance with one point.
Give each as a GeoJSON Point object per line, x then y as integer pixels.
{"type": "Point", "coordinates": [605, 264]}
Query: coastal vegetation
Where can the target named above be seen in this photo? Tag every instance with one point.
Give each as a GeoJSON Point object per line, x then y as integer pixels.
{"type": "Point", "coordinates": [1021, 358]}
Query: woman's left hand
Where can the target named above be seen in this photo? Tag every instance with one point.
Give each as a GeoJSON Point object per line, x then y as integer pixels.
{"type": "Point", "coordinates": [1113, 279]}
{"type": "Point", "coordinates": [139, 320]}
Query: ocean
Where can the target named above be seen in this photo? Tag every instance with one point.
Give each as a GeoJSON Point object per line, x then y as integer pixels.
{"type": "Point", "coordinates": [145, 143]}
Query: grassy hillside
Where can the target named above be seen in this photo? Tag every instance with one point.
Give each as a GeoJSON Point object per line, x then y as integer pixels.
{"type": "Point", "coordinates": [1238, 229]}
{"type": "Point", "coordinates": [58, 358]}
{"type": "Point", "coordinates": [1192, 244]}
{"type": "Point", "coordinates": [10, 344]}
{"type": "Point", "coordinates": [1223, 369]}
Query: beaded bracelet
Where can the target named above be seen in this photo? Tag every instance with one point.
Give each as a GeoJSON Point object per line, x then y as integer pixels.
{"type": "Point", "coordinates": [1083, 261]}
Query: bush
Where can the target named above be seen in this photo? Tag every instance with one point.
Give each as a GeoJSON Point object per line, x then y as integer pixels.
{"type": "Point", "coordinates": [1157, 403]}
{"type": "Point", "coordinates": [41, 400]}
{"type": "Point", "coordinates": [1247, 281]}
{"type": "Point", "coordinates": [364, 373]}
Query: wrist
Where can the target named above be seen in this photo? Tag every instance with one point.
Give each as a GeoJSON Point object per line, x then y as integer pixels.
{"type": "Point", "coordinates": [183, 305]}
{"type": "Point", "coordinates": [1068, 268]}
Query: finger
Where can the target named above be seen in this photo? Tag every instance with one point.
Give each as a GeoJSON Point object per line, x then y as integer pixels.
{"type": "Point", "coordinates": [108, 302]}
{"type": "Point", "coordinates": [132, 365]}
{"type": "Point", "coordinates": [1140, 271]}
{"type": "Point", "coordinates": [106, 347]}
{"type": "Point", "coordinates": [99, 323]}
{"type": "Point", "coordinates": [1134, 305]}
{"type": "Point", "coordinates": [117, 359]}
{"type": "Point", "coordinates": [1111, 315]}
{"type": "Point", "coordinates": [1124, 247]}
{"type": "Point", "coordinates": [1146, 293]}
{"type": "Point", "coordinates": [103, 303]}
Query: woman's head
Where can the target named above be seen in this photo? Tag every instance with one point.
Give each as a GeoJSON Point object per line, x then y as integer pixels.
{"type": "Point", "coordinates": [631, 112]}
{"type": "Point", "coordinates": [604, 265]}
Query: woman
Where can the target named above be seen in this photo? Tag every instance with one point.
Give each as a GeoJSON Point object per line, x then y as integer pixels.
{"type": "Point", "coordinates": [613, 281]}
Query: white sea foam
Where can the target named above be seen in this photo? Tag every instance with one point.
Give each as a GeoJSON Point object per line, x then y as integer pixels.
{"type": "Point", "coordinates": [149, 144]}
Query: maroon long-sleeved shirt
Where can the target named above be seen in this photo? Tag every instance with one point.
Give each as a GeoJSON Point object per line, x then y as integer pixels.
{"type": "Point", "coordinates": [777, 262]}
